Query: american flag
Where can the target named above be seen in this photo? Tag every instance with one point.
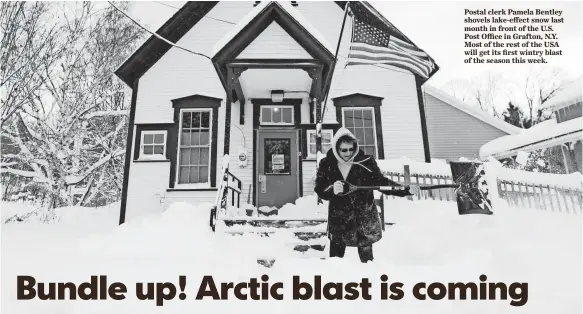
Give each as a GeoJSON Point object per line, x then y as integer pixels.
{"type": "Point", "coordinates": [371, 45]}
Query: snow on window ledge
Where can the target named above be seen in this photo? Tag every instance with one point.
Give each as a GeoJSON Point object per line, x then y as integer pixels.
{"type": "Point", "coordinates": [152, 158]}
{"type": "Point", "coordinates": [193, 186]}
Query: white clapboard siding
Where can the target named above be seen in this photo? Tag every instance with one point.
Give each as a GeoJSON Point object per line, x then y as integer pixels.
{"type": "Point", "coordinates": [454, 133]}
{"type": "Point", "coordinates": [146, 183]}
{"type": "Point", "coordinates": [400, 114]}
{"type": "Point", "coordinates": [274, 43]}
{"type": "Point", "coordinates": [238, 133]}
{"type": "Point", "coordinates": [309, 173]}
{"type": "Point", "coordinates": [179, 73]}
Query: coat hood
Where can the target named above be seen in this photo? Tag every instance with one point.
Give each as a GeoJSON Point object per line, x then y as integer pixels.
{"type": "Point", "coordinates": [340, 133]}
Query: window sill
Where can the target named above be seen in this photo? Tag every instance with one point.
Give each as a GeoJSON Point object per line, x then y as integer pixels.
{"type": "Point", "coordinates": [191, 189]}
{"type": "Point", "coordinates": [151, 160]}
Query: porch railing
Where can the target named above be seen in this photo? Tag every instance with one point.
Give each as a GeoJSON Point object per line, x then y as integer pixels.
{"type": "Point", "coordinates": [226, 186]}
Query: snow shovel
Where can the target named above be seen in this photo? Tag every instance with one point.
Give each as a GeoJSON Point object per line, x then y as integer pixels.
{"type": "Point", "coordinates": [350, 188]}
{"type": "Point", "coordinates": [470, 188]}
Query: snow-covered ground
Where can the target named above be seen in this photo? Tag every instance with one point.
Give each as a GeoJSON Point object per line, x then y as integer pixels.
{"type": "Point", "coordinates": [429, 243]}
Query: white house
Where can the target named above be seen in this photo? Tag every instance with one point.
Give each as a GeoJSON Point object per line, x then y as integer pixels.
{"type": "Point", "coordinates": [252, 95]}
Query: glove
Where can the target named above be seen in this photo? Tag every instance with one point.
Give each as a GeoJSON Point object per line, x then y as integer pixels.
{"type": "Point", "coordinates": [338, 187]}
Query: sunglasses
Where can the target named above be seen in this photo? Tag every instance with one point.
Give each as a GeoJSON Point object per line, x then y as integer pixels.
{"type": "Point", "coordinates": [345, 150]}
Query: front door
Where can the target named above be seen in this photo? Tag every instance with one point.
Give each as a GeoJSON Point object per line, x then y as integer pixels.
{"type": "Point", "coordinates": [277, 177]}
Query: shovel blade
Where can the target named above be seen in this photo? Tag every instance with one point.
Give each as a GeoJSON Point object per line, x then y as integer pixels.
{"type": "Point", "coordinates": [472, 195]}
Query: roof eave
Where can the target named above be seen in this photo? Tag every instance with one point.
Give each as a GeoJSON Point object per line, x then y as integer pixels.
{"type": "Point", "coordinates": [154, 48]}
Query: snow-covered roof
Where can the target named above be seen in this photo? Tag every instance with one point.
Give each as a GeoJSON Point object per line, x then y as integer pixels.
{"type": "Point", "coordinates": [546, 134]}
{"type": "Point", "coordinates": [475, 112]}
{"type": "Point", "coordinates": [569, 95]}
{"type": "Point", "coordinates": [293, 12]}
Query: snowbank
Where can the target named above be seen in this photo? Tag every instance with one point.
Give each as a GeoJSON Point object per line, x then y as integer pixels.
{"type": "Point", "coordinates": [429, 242]}
{"type": "Point", "coordinates": [570, 181]}
{"type": "Point", "coordinates": [546, 134]}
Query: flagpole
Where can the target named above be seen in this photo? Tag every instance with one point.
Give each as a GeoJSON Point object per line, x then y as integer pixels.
{"type": "Point", "coordinates": [331, 72]}
{"type": "Point", "coordinates": [320, 113]}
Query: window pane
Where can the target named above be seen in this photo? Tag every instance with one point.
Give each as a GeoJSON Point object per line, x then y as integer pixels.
{"type": "Point", "coordinates": [358, 118]}
{"type": "Point", "coordinates": [204, 156]}
{"type": "Point", "coordinates": [265, 115]}
{"type": "Point", "coordinates": [369, 135]}
{"type": "Point", "coordinates": [195, 137]}
{"type": "Point", "coordinates": [313, 149]}
{"type": "Point", "coordinates": [359, 133]}
{"type": "Point", "coordinates": [158, 149]}
{"type": "Point", "coordinates": [184, 156]}
{"type": "Point", "coordinates": [159, 138]}
{"type": "Point", "coordinates": [185, 139]}
{"type": "Point", "coordinates": [196, 119]}
{"type": "Point", "coordinates": [186, 120]}
{"type": "Point", "coordinates": [348, 116]}
{"type": "Point", "coordinates": [148, 150]}
{"type": "Point", "coordinates": [313, 137]}
{"type": "Point", "coordinates": [193, 175]}
{"type": "Point", "coordinates": [205, 120]}
{"type": "Point", "coordinates": [326, 137]}
{"type": "Point", "coordinates": [287, 115]}
{"type": "Point", "coordinates": [148, 138]}
{"type": "Point", "coordinates": [326, 147]}
{"type": "Point", "coordinates": [204, 137]}
{"type": "Point", "coordinates": [203, 174]}
{"type": "Point", "coordinates": [369, 150]}
{"type": "Point", "coordinates": [276, 115]}
{"type": "Point", "coordinates": [195, 156]}
{"type": "Point", "coordinates": [367, 117]}
{"type": "Point", "coordinates": [183, 176]}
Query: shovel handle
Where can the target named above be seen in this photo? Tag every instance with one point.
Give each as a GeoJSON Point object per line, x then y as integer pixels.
{"type": "Point", "coordinates": [351, 188]}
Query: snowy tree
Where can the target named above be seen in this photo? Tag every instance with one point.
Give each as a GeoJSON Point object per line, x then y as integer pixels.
{"type": "Point", "coordinates": [71, 130]}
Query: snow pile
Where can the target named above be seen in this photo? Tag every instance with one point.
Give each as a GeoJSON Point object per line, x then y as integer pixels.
{"type": "Point", "coordinates": [571, 181]}
{"type": "Point", "coordinates": [11, 209]}
{"type": "Point", "coordinates": [429, 242]}
{"type": "Point", "coordinates": [306, 207]}
{"type": "Point", "coordinates": [545, 134]}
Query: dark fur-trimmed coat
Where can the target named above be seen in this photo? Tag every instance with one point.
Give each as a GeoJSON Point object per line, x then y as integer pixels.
{"type": "Point", "coordinates": [353, 219]}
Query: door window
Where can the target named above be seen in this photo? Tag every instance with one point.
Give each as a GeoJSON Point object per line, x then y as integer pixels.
{"type": "Point", "coordinates": [277, 156]}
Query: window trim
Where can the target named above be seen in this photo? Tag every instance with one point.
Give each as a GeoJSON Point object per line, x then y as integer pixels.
{"type": "Point", "coordinates": [207, 184]}
{"type": "Point", "coordinates": [310, 156]}
{"type": "Point", "coordinates": [276, 123]}
{"type": "Point", "coordinates": [374, 126]}
{"type": "Point", "coordinates": [144, 156]}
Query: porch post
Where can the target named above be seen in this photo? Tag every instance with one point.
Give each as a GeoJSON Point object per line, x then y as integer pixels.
{"type": "Point", "coordinates": [318, 128]}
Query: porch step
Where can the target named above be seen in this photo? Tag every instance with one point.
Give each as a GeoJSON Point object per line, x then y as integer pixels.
{"type": "Point", "coordinates": [308, 235]}
{"type": "Point", "coordinates": [272, 222]}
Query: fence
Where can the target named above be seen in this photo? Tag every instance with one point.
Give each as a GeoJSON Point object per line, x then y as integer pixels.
{"type": "Point", "coordinates": [546, 197]}
{"type": "Point", "coordinates": [515, 193]}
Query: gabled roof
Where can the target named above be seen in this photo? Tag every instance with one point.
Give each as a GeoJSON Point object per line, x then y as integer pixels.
{"type": "Point", "coordinates": [288, 8]}
{"type": "Point", "coordinates": [154, 48]}
{"type": "Point", "coordinates": [474, 112]}
{"type": "Point", "coordinates": [190, 14]}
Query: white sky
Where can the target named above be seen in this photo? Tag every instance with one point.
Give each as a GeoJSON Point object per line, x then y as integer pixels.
{"type": "Point", "coordinates": [437, 27]}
